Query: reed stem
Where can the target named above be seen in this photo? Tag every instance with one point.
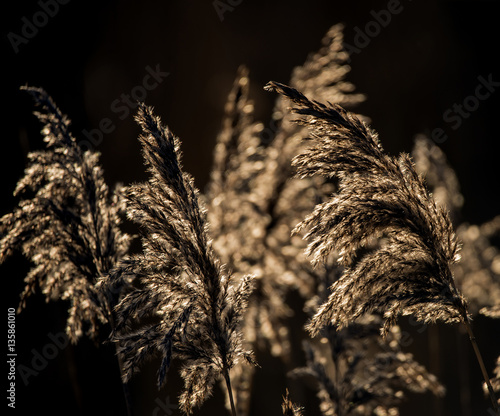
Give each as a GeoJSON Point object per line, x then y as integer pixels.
{"type": "Point", "coordinates": [481, 364]}
{"type": "Point", "coordinates": [229, 391]}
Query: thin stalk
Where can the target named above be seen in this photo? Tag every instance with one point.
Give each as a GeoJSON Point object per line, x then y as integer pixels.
{"type": "Point", "coordinates": [340, 403]}
{"type": "Point", "coordinates": [433, 339]}
{"type": "Point", "coordinates": [229, 390]}
{"type": "Point", "coordinates": [463, 351]}
{"type": "Point", "coordinates": [481, 364]}
{"type": "Point", "coordinates": [125, 388]}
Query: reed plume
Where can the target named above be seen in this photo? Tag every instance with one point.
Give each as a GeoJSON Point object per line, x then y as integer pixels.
{"type": "Point", "coordinates": [378, 196]}
{"type": "Point", "coordinates": [396, 244]}
{"type": "Point", "coordinates": [254, 201]}
{"type": "Point", "coordinates": [66, 223]}
{"type": "Point", "coordinates": [195, 306]}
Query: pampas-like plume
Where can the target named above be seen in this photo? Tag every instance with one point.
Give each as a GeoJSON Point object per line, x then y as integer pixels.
{"type": "Point", "coordinates": [395, 243]}
{"type": "Point", "coordinates": [67, 224]}
{"type": "Point", "coordinates": [254, 201]}
{"type": "Point", "coordinates": [379, 196]}
{"type": "Point", "coordinates": [195, 306]}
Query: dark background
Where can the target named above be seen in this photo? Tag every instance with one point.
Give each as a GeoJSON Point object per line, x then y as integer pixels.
{"type": "Point", "coordinates": [428, 58]}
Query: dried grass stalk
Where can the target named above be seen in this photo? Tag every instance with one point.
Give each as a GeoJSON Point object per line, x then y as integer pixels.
{"type": "Point", "coordinates": [395, 242]}
{"type": "Point", "coordinates": [194, 303]}
{"type": "Point", "coordinates": [67, 224]}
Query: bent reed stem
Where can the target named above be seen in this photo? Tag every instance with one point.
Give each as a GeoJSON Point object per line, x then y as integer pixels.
{"type": "Point", "coordinates": [472, 338]}
{"type": "Point", "coordinates": [229, 390]}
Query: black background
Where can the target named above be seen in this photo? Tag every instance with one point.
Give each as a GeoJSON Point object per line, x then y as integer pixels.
{"type": "Point", "coordinates": [428, 58]}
